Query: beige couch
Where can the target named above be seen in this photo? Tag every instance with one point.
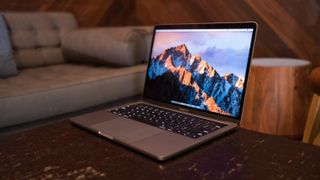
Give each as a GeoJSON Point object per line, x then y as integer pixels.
{"type": "Point", "coordinates": [56, 73]}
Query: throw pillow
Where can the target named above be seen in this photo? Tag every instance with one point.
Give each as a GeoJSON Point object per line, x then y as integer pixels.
{"type": "Point", "coordinates": [7, 64]}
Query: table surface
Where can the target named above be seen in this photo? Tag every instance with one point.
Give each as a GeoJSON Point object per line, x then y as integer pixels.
{"type": "Point", "coordinates": [60, 151]}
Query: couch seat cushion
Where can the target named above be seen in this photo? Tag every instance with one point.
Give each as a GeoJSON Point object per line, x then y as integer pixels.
{"type": "Point", "coordinates": [46, 91]}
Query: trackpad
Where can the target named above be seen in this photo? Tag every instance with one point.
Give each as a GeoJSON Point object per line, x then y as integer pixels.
{"type": "Point", "coordinates": [126, 130]}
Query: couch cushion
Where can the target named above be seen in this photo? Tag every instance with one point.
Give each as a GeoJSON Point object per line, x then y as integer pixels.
{"type": "Point", "coordinates": [7, 64]}
{"type": "Point", "coordinates": [28, 58]}
{"type": "Point", "coordinates": [46, 91]}
{"type": "Point", "coordinates": [118, 46]}
{"type": "Point", "coordinates": [38, 35]}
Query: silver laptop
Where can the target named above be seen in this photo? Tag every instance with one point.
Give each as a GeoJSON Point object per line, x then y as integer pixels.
{"type": "Point", "coordinates": [194, 90]}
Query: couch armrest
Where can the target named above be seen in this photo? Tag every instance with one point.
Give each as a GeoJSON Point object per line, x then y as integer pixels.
{"type": "Point", "coordinates": [119, 46]}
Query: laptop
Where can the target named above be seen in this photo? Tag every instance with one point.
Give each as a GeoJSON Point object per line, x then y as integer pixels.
{"type": "Point", "coordinates": [194, 90]}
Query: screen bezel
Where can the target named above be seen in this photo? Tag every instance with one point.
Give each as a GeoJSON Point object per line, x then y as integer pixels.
{"type": "Point", "coordinates": [239, 25]}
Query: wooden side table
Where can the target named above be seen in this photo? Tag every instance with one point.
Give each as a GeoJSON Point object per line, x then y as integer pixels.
{"type": "Point", "coordinates": [278, 97]}
{"type": "Point", "coordinates": [312, 129]}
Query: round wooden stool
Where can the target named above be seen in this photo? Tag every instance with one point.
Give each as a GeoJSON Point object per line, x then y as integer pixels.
{"type": "Point", "coordinates": [278, 97]}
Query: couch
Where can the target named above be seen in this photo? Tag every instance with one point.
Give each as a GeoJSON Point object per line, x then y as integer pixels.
{"type": "Point", "coordinates": [56, 67]}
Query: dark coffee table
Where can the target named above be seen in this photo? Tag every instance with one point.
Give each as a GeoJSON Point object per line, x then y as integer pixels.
{"type": "Point", "coordinates": [60, 150]}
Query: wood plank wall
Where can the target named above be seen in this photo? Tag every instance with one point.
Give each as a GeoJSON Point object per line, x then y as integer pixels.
{"type": "Point", "coordinates": [287, 28]}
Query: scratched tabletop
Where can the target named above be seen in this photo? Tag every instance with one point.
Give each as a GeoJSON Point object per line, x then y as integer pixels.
{"type": "Point", "coordinates": [63, 151]}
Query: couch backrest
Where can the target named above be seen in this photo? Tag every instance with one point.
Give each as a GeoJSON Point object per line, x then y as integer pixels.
{"type": "Point", "coordinates": [36, 36]}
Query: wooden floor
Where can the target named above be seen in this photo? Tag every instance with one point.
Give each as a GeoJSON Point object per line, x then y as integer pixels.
{"type": "Point", "coordinates": [287, 28]}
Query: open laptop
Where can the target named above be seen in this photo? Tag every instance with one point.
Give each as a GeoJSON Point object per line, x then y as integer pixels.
{"type": "Point", "coordinates": [194, 90]}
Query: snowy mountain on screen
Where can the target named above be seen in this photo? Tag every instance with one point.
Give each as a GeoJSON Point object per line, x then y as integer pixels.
{"type": "Point", "coordinates": [177, 75]}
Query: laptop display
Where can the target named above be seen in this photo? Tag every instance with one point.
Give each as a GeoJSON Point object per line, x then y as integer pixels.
{"type": "Point", "coordinates": [201, 68]}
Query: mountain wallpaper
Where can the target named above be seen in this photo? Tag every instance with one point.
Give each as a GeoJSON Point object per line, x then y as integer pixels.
{"type": "Point", "coordinates": [177, 75]}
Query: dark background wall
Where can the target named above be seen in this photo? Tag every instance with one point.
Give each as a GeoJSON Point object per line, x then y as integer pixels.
{"type": "Point", "coordinates": [287, 28]}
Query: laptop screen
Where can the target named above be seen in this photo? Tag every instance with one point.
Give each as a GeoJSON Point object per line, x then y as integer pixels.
{"type": "Point", "coordinates": [200, 67]}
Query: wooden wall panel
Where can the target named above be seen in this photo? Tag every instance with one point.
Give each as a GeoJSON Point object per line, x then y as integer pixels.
{"type": "Point", "coordinates": [287, 28]}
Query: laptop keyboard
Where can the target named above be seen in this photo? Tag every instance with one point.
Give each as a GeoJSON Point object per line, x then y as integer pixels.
{"type": "Point", "coordinates": [183, 124]}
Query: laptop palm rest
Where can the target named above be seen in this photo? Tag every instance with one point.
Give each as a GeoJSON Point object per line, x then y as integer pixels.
{"type": "Point", "coordinates": [125, 129]}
